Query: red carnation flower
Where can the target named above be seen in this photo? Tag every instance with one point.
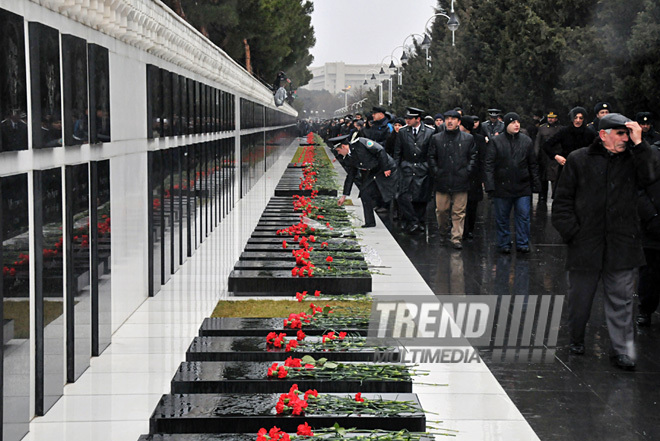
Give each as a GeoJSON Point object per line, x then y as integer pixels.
{"type": "Point", "coordinates": [304, 430]}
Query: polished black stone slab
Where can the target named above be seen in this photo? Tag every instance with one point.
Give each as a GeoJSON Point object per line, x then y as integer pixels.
{"type": "Point", "coordinates": [293, 191]}
{"type": "Point", "coordinates": [196, 377]}
{"type": "Point", "coordinates": [199, 437]}
{"type": "Point", "coordinates": [286, 265]}
{"type": "Point", "coordinates": [219, 437]}
{"type": "Point", "coordinates": [260, 327]}
{"type": "Point", "coordinates": [279, 248]}
{"type": "Point", "coordinates": [254, 349]}
{"type": "Point", "coordinates": [326, 234]}
{"type": "Point", "coordinates": [277, 255]}
{"type": "Point", "coordinates": [270, 281]}
{"type": "Point", "coordinates": [231, 413]}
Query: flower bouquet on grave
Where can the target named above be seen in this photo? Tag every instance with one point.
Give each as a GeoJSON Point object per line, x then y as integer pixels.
{"type": "Point", "coordinates": [295, 402]}
{"type": "Point", "coordinates": [331, 341]}
{"type": "Point", "coordinates": [308, 368]}
{"type": "Point", "coordinates": [337, 433]}
{"type": "Point", "coordinates": [325, 317]}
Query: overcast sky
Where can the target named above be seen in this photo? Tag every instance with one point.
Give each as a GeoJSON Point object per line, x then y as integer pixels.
{"type": "Point", "coordinates": [366, 31]}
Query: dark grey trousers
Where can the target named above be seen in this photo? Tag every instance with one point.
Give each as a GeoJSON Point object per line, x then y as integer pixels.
{"type": "Point", "coordinates": [618, 288]}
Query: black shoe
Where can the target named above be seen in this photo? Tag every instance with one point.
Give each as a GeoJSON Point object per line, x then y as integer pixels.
{"type": "Point", "coordinates": [576, 348]}
{"type": "Point", "coordinates": [523, 250]}
{"type": "Point", "coordinates": [505, 250]}
{"type": "Point", "coordinates": [623, 362]}
{"type": "Point", "coordinates": [368, 225]}
{"type": "Point", "coordinates": [415, 228]}
{"type": "Point", "coordinates": [643, 319]}
{"type": "Point", "coordinates": [457, 245]}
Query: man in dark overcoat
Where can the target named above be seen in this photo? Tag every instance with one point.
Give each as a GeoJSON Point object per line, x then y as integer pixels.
{"type": "Point", "coordinates": [410, 154]}
{"type": "Point", "coordinates": [476, 191]}
{"type": "Point", "coordinates": [378, 170]}
{"type": "Point", "coordinates": [595, 211]}
{"type": "Point", "coordinates": [547, 169]}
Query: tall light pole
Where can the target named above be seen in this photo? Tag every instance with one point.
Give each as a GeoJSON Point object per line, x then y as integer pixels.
{"type": "Point", "coordinates": [452, 23]}
{"type": "Point", "coordinates": [345, 90]}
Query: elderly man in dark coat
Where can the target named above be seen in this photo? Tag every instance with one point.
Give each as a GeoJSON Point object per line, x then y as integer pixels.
{"type": "Point", "coordinates": [511, 176]}
{"type": "Point", "coordinates": [378, 170]}
{"type": "Point", "coordinates": [595, 211]}
{"type": "Point", "coordinates": [410, 154]}
{"type": "Point", "coordinates": [451, 156]}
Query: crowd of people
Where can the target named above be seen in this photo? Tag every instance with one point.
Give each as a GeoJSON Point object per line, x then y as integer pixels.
{"type": "Point", "coordinates": [603, 177]}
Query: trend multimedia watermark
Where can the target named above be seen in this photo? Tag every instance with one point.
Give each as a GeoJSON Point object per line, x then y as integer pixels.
{"type": "Point", "coordinates": [456, 329]}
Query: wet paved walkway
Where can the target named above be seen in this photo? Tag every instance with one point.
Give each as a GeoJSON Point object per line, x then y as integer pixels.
{"type": "Point", "coordinates": [574, 397]}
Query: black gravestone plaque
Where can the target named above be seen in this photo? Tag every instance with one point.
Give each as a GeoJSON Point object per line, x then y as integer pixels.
{"type": "Point", "coordinates": [13, 96]}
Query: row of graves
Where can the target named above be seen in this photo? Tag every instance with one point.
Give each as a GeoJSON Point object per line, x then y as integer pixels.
{"type": "Point", "coordinates": [311, 375]}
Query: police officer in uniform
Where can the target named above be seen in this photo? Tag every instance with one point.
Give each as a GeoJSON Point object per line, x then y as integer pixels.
{"type": "Point", "coordinates": [493, 126]}
{"type": "Point", "coordinates": [378, 170]}
{"type": "Point", "coordinates": [649, 134]}
{"type": "Point", "coordinates": [411, 155]}
{"type": "Point", "coordinates": [548, 170]}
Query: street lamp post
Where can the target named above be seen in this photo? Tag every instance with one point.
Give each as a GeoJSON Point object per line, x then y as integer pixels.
{"type": "Point", "coordinates": [452, 23]}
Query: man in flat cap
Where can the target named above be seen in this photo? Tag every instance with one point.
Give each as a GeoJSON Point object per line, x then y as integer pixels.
{"type": "Point", "coordinates": [378, 170]}
{"type": "Point", "coordinates": [493, 126]}
{"type": "Point", "coordinates": [381, 127]}
{"type": "Point", "coordinates": [595, 211]}
{"type": "Point", "coordinates": [650, 135]}
{"type": "Point", "coordinates": [411, 155]}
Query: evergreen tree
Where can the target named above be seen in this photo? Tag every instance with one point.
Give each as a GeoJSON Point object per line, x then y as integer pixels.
{"type": "Point", "coordinates": [278, 32]}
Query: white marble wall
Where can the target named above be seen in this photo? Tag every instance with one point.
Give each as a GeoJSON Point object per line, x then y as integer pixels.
{"type": "Point", "coordinates": [136, 33]}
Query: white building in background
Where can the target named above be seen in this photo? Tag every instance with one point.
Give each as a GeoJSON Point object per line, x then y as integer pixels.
{"type": "Point", "coordinates": [334, 77]}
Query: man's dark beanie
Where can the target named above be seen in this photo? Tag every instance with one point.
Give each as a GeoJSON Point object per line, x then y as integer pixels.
{"type": "Point", "coordinates": [467, 122]}
{"type": "Point", "coordinates": [510, 117]}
